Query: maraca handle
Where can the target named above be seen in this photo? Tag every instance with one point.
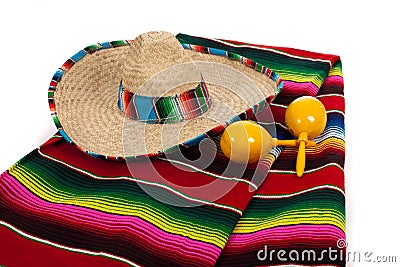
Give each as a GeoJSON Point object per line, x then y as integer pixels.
{"type": "Point", "coordinates": [295, 143]}
{"type": "Point", "coordinates": [285, 142]}
{"type": "Point", "coordinates": [301, 159]}
{"type": "Point", "coordinates": [301, 155]}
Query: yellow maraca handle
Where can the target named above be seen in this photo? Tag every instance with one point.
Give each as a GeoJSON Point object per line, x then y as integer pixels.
{"type": "Point", "coordinates": [285, 142]}
{"type": "Point", "coordinates": [301, 159]}
{"type": "Point", "coordinates": [309, 143]}
{"type": "Point", "coordinates": [301, 155]}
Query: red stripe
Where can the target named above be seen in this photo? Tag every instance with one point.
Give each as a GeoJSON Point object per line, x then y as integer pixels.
{"type": "Point", "coordinates": [52, 106]}
{"type": "Point", "coordinates": [279, 113]}
{"type": "Point", "coordinates": [280, 183]}
{"type": "Point", "coordinates": [67, 65]}
{"type": "Point", "coordinates": [19, 251]}
{"type": "Point", "coordinates": [332, 102]}
{"type": "Point", "coordinates": [126, 99]}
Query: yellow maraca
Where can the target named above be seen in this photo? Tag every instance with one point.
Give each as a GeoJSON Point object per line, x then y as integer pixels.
{"type": "Point", "coordinates": [305, 118]}
{"type": "Point", "coordinates": [245, 142]}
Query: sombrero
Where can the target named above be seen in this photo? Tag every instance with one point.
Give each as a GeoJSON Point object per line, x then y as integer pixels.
{"type": "Point", "coordinates": [133, 98]}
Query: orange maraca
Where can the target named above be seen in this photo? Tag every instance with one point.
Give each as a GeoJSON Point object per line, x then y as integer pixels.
{"type": "Point", "coordinates": [305, 118]}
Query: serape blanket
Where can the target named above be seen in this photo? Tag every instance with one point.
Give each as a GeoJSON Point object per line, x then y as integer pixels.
{"type": "Point", "coordinates": [62, 207]}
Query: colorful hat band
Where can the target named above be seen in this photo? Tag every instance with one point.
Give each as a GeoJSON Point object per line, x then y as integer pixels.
{"type": "Point", "coordinates": [166, 109]}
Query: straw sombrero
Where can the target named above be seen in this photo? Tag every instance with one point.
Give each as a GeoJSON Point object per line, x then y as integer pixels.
{"type": "Point", "coordinates": [133, 98]}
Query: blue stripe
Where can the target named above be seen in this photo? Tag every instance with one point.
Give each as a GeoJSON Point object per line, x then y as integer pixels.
{"type": "Point", "coordinates": [186, 46]}
{"type": "Point", "coordinates": [78, 56]}
{"type": "Point", "coordinates": [145, 109]}
{"type": "Point", "coordinates": [335, 119]}
{"type": "Point", "coordinates": [218, 52]}
{"type": "Point", "coordinates": [58, 75]}
{"type": "Point", "coordinates": [66, 137]}
{"type": "Point", "coordinates": [106, 45]}
{"type": "Point", "coordinates": [120, 91]}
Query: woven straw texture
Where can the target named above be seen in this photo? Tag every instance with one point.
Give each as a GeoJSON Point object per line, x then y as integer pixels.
{"type": "Point", "coordinates": [86, 97]}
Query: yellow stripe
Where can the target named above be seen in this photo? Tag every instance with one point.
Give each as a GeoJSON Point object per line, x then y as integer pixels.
{"type": "Point", "coordinates": [294, 76]}
{"type": "Point", "coordinates": [331, 142]}
{"type": "Point", "coordinates": [114, 205]}
{"type": "Point", "coordinates": [336, 71]}
{"type": "Point", "coordinates": [305, 216]}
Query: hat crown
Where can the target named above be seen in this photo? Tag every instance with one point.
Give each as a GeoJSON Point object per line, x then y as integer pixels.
{"type": "Point", "coordinates": [149, 54]}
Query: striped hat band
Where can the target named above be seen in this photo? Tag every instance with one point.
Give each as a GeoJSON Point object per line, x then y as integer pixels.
{"type": "Point", "coordinates": [186, 105]}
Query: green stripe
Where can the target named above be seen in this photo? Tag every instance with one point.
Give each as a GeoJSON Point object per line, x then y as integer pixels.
{"type": "Point", "coordinates": [91, 48]}
{"type": "Point", "coordinates": [318, 200]}
{"type": "Point", "coordinates": [167, 108]}
{"type": "Point", "coordinates": [56, 121]}
{"type": "Point", "coordinates": [200, 96]}
{"type": "Point", "coordinates": [233, 56]}
{"type": "Point", "coordinates": [57, 180]}
{"type": "Point", "coordinates": [259, 67]}
{"type": "Point", "coordinates": [288, 68]}
{"type": "Point", "coordinates": [118, 43]}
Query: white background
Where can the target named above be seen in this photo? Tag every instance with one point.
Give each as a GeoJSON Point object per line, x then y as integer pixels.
{"type": "Point", "coordinates": [36, 37]}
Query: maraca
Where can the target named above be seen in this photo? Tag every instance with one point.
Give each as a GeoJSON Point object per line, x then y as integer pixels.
{"type": "Point", "coordinates": [305, 118]}
{"type": "Point", "coordinates": [247, 142]}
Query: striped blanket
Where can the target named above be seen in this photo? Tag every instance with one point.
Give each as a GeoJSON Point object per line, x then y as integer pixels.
{"type": "Point", "coordinates": [61, 207]}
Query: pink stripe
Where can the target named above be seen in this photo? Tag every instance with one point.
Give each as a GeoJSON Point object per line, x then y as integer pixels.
{"type": "Point", "coordinates": [333, 80]}
{"type": "Point", "coordinates": [95, 221]}
{"type": "Point", "coordinates": [298, 88]}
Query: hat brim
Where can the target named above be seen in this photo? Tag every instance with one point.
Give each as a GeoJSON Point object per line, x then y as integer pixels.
{"type": "Point", "coordinates": [83, 101]}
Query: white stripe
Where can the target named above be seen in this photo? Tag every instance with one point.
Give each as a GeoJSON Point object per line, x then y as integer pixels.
{"type": "Point", "coordinates": [53, 244]}
{"type": "Point", "coordinates": [282, 125]}
{"type": "Point", "coordinates": [278, 105]}
{"type": "Point", "coordinates": [274, 51]}
{"type": "Point", "coordinates": [143, 182]}
{"type": "Point", "coordinates": [331, 132]}
{"type": "Point", "coordinates": [335, 111]}
{"type": "Point", "coordinates": [260, 196]}
{"type": "Point", "coordinates": [327, 95]}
